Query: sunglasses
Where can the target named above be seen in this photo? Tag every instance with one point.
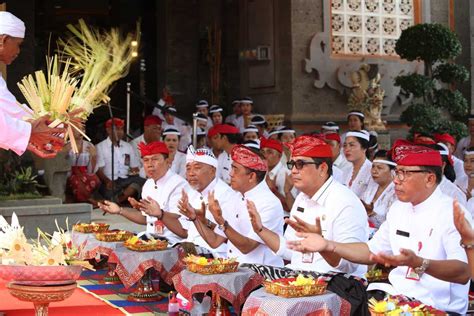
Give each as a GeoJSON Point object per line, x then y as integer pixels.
{"type": "Point", "coordinates": [299, 164]}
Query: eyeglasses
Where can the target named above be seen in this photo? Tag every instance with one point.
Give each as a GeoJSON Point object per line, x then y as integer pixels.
{"type": "Point", "coordinates": [299, 164]}
{"type": "Point", "coordinates": [402, 174]}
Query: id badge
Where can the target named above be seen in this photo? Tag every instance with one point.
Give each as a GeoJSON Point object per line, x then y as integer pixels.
{"type": "Point", "coordinates": [412, 275]}
{"type": "Point", "coordinates": [126, 161]}
{"type": "Point", "coordinates": [159, 227]}
{"type": "Point", "coordinates": [308, 257]}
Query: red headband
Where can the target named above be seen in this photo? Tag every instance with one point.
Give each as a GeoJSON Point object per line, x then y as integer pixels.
{"type": "Point", "coordinates": [271, 143]}
{"type": "Point", "coordinates": [445, 138]}
{"type": "Point", "coordinates": [152, 120]}
{"type": "Point", "coordinates": [247, 158]}
{"type": "Point", "coordinates": [406, 153]}
{"type": "Point", "coordinates": [153, 148]}
{"type": "Point", "coordinates": [117, 122]}
{"type": "Point", "coordinates": [310, 146]}
{"type": "Point", "coordinates": [222, 129]}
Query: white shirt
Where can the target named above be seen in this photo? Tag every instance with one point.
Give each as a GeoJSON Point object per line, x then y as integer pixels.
{"type": "Point", "coordinates": [16, 132]}
{"type": "Point", "coordinates": [458, 166]}
{"type": "Point", "coordinates": [361, 181]}
{"type": "Point", "coordinates": [279, 172]}
{"type": "Point", "coordinates": [343, 219]}
{"type": "Point", "coordinates": [224, 165]}
{"type": "Point", "coordinates": [167, 191]}
{"type": "Point", "coordinates": [463, 144]}
{"type": "Point", "coordinates": [227, 200]}
{"type": "Point", "coordinates": [83, 158]}
{"type": "Point", "coordinates": [271, 212]}
{"type": "Point", "coordinates": [383, 202]}
{"type": "Point", "coordinates": [179, 164]}
{"type": "Point", "coordinates": [451, 190]}
{"type": "Point", "coordinates": [124, 159]}
{"type": "Point", "coordinates": [470, 207]}
{"type": "Point", "coordinates": [230, 118]}
{"type": "Point", "coordinates": [341, 162]}
{"type": "Point", "coordinates": [429, 225]}
{"type": "Point", "coordinates": [134, 142]}
{"type": "Point", "coordinates": [337, 174]}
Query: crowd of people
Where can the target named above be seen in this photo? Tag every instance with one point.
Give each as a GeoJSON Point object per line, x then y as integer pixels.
{"type": "Point", "coordinates": [279, 202]}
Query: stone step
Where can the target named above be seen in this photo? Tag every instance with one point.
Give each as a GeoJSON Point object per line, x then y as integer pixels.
{"type": "Point", "coordinates": [47, 200]}
{"type": "Point", "coordinates": [43, 216]}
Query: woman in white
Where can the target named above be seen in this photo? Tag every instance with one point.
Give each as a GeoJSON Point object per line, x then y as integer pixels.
{"type": "Point", "coordinates": [380, 193]}
{"type": "Point", "coordinates": [357, 177]}
{"type": "Point", "coordinates": [178, 159]}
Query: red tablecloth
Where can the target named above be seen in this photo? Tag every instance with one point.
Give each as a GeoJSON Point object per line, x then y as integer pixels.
{"type": "Point", "coordinates": [131, 265]}
{"type": "Point", "coordinates": [262, 303]}
{"type": "Point", "coordinates": [233, 287]}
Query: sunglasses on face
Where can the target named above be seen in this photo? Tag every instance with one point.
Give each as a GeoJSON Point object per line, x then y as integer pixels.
{"type": "Point", "coordinates": [299, 164]}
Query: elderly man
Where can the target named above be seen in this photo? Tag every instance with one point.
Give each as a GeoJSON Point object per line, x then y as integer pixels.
{"type": "Point", "coordinates": [418, 238]}
{"type": "Point", "coordinates": [248, 179]}
{"type": "Point", "coordinates": [126, 164]}
{"type": "Point", "coordinates": [223, 137]}
{"type": "Point", "coordinates": [160, 195]}
{"type": "Point", "coordinates": [324, 205]}
{"type": "Point", "coordinates": [201, 175]}
{"type": "Point", "coordinates": [17, 134]}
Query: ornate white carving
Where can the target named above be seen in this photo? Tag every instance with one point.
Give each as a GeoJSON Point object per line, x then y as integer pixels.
{"type": "Point", "coordinates": [335, 72]}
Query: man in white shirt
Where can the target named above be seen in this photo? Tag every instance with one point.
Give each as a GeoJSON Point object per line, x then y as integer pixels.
{"type": "Point", "coordinates": [236, 112]}
{"type": "Point", "coordinates": [248, 179]}
{"type": "Point", "coordinates": [450, 142]}
{"type": "Point", "coordinates": [466, 142]}
{"type": "Point", "coordinates": [223, 137]}
{"type": "Point", "coordinates": [17, 134]}
{"type": "Point", "coordinates": [161, 192]}
{"type": "Point", "coordinates": [201, 174]}
{"type": "Point", "coordinates": [246, 107]}
{"type": "Point", "coordinates": [151, 133]}
{"type": "Point", "coordinates": [336, 211]}
{"type": "Point", "coordinates": [126, 165]}
{"type": "Point", "coordinates": [418, 238]}
{"type": "Point", "coordinates": [272, 150]}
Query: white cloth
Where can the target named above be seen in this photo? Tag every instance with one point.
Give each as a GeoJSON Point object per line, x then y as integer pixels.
{"type": "Point", "coordinates": [124, 159]}
{"type": "Point", "coordinates": [271, 212]}
{"type": "Point", "coordinates": [179, 164]}
{"type": "Point", "coordinates": [278, 174]}
{"type": "Point", "coordinates": [167, 192]}
{"type": "Point", "coordinates": [337, 174]}
{"type": "Point", "coordinates": [227, 200]}
{"type": "Point", "coordinates": [224, 166]}
{"type": "Point", "coordinates": [383, 202]}
{"type": "Point", "coordinates": [429, 225]}
{"type": "Point", "coordinates": [342, 163]}
{"type": "Point", "coordinates": [458, 167]}
{"type": "Point", "coordinates": [230, 118]}
{"type": "Point", "coordinates": [83, 158]}
{"type": "Point", "coordinates": [134, 143]}
{"type": "Point", "coordinates": [470, 207]}
{"type": "Point", "coordinates": [361, 181]}
{"type": "Point", "coordinates": [343, 219]}
{"type": "Point", "coordinates": [11, 25]}
{"type": "Point", "coordinates": [16, 132]}
{"type": "Point", "coordinates": [450, 189]}
{"type": "Point", "coordinates": [462, 145]}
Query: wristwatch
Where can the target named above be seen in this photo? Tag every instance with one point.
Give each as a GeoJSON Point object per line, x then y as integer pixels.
{"type": "Point", "coordinates": [223, 226]}
{"type": "Point", "coordinates": [421, 269]}
{"type": "Point", "coordinates": [465, 246]}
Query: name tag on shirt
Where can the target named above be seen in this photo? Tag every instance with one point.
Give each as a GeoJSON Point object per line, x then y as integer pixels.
{"type": "Point", "coordinates": [159, 227]}
{"type": "Point", "coordinates": [300, 209]}
{"type": "Point", "coordinates": [308, 257]}
{"type": "Point", "coordinates": [402, 233]}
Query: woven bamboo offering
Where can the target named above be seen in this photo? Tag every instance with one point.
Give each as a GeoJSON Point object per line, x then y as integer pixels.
{"type": "Point", "coordinates": [295, 287]}
{"type": "Point", "coordinates": [137, 244]}
{"type": "Point", "coordinates": [203, 265]}
{"type": "Point", "coordinates": [114, 235]}
{"type": "Point", "coordinates": [91, 228]}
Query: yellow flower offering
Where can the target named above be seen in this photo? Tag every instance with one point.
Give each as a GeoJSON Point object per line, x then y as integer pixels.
{"type": "Point", "coordinates": [302, 280]}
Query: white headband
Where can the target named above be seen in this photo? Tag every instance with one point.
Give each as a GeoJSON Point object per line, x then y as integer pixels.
{"type": "Point", "coordinates": [215, 109]}
{"type": "Point", "coordinates": [250, 128]}
{"type": "Point", "coordinates": [445, 151]}
{"type": "Point", "coordinates": [253, 144]}
{"type": "Point", "coordinates": [171, 131]}
{"type": "Point", "coordinates": [204, 119]}
{"type": "Point", "coordinates": [202, 155]}
{"type": "Point", "coordinates": [356, 113]}
{"type": "Point", "coordinates": [359, 134]}
{"type": "Point", "coordinates": [334, 128]}
{"type": "Point", "coordinates": [467, 152]}
{"type": "Point", "coordinates": [387, 162]}
{"type": "Point", "coordinates": [11, 25]}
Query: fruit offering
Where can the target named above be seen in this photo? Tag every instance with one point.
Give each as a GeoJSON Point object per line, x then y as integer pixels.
{"type": "Point", "coordinates": [152, 244]}
{"type": "Point", "coordinates": [202, 265]}
{"type": "Point", "coordinates": [90, 228]}
{"type": "Point", "coordinates": [114, 235]}
{"type": "Point", "coordinates": [296, 287]}
{"type": "Point", "coordinates": [400, 306]}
